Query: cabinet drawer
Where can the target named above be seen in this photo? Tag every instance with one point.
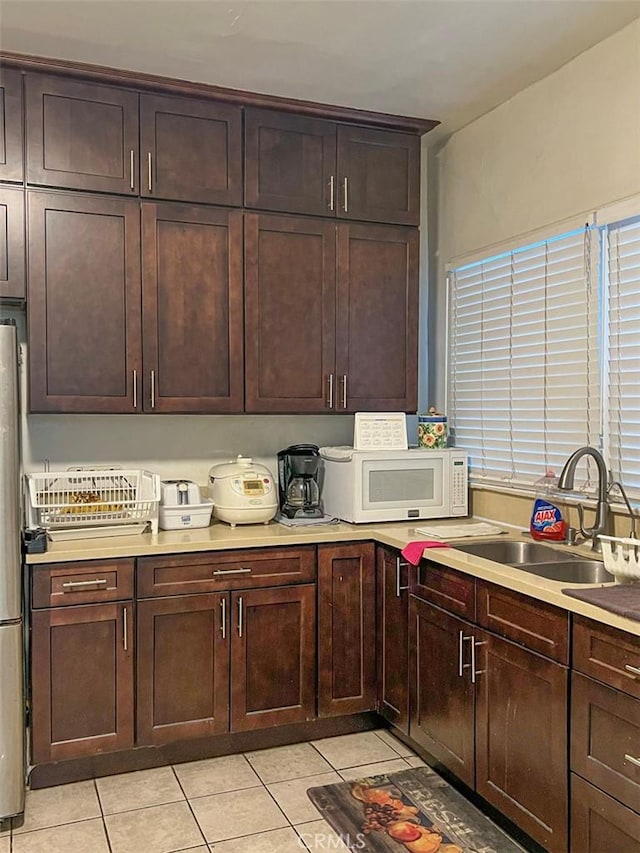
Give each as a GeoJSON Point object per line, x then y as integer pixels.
{"type": "Point", "coordinates": [599, 823]}
{"type": "Point", "coordinates": [605, 727]}
{"type": "Point", "coordinates": [534, 624]}
{"type": "Point", "coordinates": [445, 587]}
{"type": "Point", "coordinates": [81, 583]}
{"type": "Point", "coordinates": [225, 570]}
{"type": "Point", "coordinates": [607, 655]}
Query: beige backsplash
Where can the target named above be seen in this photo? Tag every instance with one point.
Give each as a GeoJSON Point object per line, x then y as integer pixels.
{"type": "Point", "coordinates": [516, 510]}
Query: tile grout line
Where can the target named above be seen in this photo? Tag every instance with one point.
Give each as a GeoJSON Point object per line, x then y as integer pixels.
{"type": "Point", "coordinates": [104, 823]}
{"type": "Point", "coordinates": [200, 830]}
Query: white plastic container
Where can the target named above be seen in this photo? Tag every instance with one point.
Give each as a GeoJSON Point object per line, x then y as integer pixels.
{"type": "Point", "coordinates": [186, 516]}
{"type": "Point", "coordinates": [622, 558]}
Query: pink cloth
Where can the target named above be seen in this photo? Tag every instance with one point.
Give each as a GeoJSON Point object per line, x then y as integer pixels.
{"type": "Point", "coordinates": [413, 551]}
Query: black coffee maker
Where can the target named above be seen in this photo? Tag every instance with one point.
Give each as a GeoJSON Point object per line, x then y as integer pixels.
{"type": "Point", "coordinates": [298, 476]}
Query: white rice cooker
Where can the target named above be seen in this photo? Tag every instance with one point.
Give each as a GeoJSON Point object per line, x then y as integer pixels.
{"type": "Point", "coordinates": [243, 492]}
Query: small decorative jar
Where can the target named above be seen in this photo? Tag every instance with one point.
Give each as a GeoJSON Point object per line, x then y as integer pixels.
{"type": "Point", "coordinates": [432, 430]}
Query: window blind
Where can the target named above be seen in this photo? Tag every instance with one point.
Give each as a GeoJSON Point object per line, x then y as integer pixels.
{"type": "Point", "coordinates": [622, 413]}
{"type": "Point", "coordinates": [523, 358]}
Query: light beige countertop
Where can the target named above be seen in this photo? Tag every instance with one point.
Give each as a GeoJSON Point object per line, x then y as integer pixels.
{"type": "Point", "coordinates": [220, 536]}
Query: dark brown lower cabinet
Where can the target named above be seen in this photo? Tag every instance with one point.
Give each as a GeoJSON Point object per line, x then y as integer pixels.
{"type": "Point", "coordinates": [521, 737]}
{"type": "Point", "coordinates": [442, 700]}
{"type": "Point", "coordinates": [215, 662]}
{"type": "Point", "coordinates": [393, 637]}
{"type": "Point", "coordinates": [346, 629]}
{"type": "Point", "coordinates": [183, 668]}
{"type": "Point", "coordinates": [273, 656]}
{"type": "Point", "coordinates": [82, 695]}
{"type": "Point", "coordinates": [599, 823]}
{"type": "Point", "coordinates": [495, 714]}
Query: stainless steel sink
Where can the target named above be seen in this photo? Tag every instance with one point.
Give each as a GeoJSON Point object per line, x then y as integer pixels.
{"type": "Point", "coordinates": [570, 571]}
{"type": "Point", "coordinates": [541, 560]}
{"type": "Point", "coordinates": [512, 553]}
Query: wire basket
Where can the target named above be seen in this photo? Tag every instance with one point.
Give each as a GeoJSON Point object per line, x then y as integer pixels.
{"type": "Point", "coordinates": [90, 497]}
{"type": "Point", "coordinates": [621, 558]}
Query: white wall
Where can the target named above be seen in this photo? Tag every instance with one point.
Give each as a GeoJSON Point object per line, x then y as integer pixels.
{"type": "Point", "coordinates": [566, 145]}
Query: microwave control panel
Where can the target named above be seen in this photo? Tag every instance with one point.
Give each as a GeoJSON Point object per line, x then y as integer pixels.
{"type": "Point", "coordinates": [459, 483]}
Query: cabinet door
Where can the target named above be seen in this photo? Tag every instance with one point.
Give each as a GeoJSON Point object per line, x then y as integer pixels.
{"type": "Point", "coordinates": [190, 150]}
{"type": "Point", "coordinates": [346, 629]}
{"type": "Point", "coordinates": [192, 309]}
{"type": "Point", "coordinates": [393, 638]}
{"type": "Point", "coordinates": [290, 163]}
{"type": "Point", "coordinates": [10, 125]}
{"type": "Point", "coordinates": [183, 667]}
{"type": "Point", "coordinates": [521, 738]}
{"type": "Point", "coordinates": [273, 657]}
{"type": "Point", "coordinates": [605, 735]}
{"type": "Point", "coordinates": [84, 303]}
{"type": "Point", "coordinates": [81, 680]}
{"type": "Point", "coordinates": [599, 823]}
{"type": "Point", "coordinates": [289, 314]}
{"type": "Point", "coordinates": [379, 175]}
{"type": "Point", "coordinates": [81, 135]}
{"type": "Point", "coordinates": [12, 280]}
{"type": "Point", "coordinates": [377, 318]}
{"type": "Point", "coordinates": [442, 695]}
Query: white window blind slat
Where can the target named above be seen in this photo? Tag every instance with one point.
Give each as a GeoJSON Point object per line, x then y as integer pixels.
{"type": "Point", "coordinates": [622, 418]}
{"type": "Point", "coordinates": [523, 358]}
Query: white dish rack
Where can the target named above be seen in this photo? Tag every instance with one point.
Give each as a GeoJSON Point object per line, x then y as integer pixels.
{"type": "Point", "coordinates": [621, 557]}
{"type": "Point", "coordinates": [92, 497]}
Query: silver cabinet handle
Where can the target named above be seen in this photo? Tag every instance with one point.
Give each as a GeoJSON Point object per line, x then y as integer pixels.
{"type": "Point", "coordinates": [71, 585]}
{"type": "Point", "coordinates": [153, 389]}
{"type": "Point", "coordinates": [331, 193]}
{"type": "Point", "coordinates": [461, 664]}
{"type": "Point", "coordinates": [223, 618]}
{"type": "Point", "coordinates": [330, 400]}
{"type": "Point", "coordinates": [149, 178]}
{"type": "Point", "coordinates": [399, 588]}
{"type": "Point", "coordinates": [240, 617]}
{"type": "Point", "coordinates": [132, 182]}
{"type": "Point", "coordinates": [633, 669]}
{"type": "Point", "coordinates": [135, 389]}
{"type": "Point", "coordinates": [346, 195]}
{"type": "Point", "coordinates": [632, 760]}
{"type": "Point", "coordinates": [231, 571]}
{"type": "Point", "coordinates": [344, 390]}
{"type": "Point", "coordinates": [125, 632]}
{"type": "Point", "coordinates": [475, 672]}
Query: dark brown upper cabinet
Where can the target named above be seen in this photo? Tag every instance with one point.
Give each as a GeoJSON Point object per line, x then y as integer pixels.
{"type": "Point", "coordinates": [84, 303]}
{"type": "Point", "coordinates": [12, 279]}
{"type": "Point", "coordinates": [290, 163]}
{"type": "Point", "coordinates": [10, 125]}
{"type": "Point", "coordinates": [81, 135]}
{"type": "Point", "coordinates": [190, 150]}
{"type": "Point", "coordinates": [376, 318]}
{"type": "Point", "coordinates": [308, 165]}
{"type": "Point", "coordinates": [378, 175]}
{"type": "Point", "coordinates": [192, 309]}
{"type": "Point", "coordinates": [289, 313]}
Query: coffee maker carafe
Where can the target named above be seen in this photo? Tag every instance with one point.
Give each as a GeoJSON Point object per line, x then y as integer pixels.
{"type": "Point", "coordinates": [298, 476]}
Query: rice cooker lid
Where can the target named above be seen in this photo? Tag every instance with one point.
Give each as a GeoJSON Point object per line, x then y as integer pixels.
{"type": "Point", "coordinates": [243, 467]}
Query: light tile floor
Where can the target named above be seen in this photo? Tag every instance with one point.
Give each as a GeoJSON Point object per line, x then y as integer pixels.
{"type": "Point", "coordinates": [251, 803]}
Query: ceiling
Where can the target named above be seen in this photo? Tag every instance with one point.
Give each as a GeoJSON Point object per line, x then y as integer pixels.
{"type": "Point", "coordinates": [451, 60]}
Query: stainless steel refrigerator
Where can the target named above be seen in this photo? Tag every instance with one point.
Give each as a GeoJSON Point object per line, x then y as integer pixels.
{"type": "Point", "coordinates": [12, 707]}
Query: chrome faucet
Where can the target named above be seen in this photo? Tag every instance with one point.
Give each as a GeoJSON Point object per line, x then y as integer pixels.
{"type": "Point", "coordinates": [602, 509]}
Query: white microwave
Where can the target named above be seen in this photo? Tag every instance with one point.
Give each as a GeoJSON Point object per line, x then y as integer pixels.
{"type": "Point", "coordinates": [394, 485]}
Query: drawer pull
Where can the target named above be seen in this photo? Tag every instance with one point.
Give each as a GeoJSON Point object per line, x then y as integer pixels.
{"type": "Point", "coordinates": [632, 760]}
{"type": "Point", "coordinates": [70, 586]}
{"type": "Point", "coordinates": [240, 618]}
{"type": "Point", "coordinates": [125, 629]}
{"type": "Point", "coordinates": [633, 669]}
{"type": "Point", "coordinates": [231, 571]}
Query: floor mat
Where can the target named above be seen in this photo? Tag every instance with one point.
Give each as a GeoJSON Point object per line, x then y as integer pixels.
{"type": "Point", "coordinates": [412, 811]}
